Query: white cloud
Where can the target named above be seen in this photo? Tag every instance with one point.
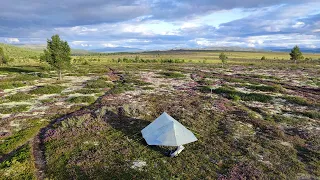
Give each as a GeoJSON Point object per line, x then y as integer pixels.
{"type": "Point", "coordinates": [316, 31]}
{"type": "Point", "coordinates": [298, 25]}
{"type": "Point", "coordinates": [311, 46]}
{"type": "Point", "coordinates": [12, 40]}
{"type": "Point", "coordinates": [109, 45]}
{"type": "Point", "coordinates": [86, 45]}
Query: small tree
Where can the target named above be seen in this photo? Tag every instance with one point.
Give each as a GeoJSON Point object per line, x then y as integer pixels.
{"type": "Point", "coordinates": [223, 58]}
{"type": "Point", "coordinates": [3, 58]}
{"type": "Point", "coordinates": [57, 54]}
{"type": "Point", "coordinates": [263, 58]}
{"type": "Point", "coordinates": [296, 54]}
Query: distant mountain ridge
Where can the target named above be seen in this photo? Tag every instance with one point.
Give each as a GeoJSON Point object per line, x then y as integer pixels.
{"type": "Point", "coordinates": [116, 49]}
{"type": "Point", "coordinates": [231, 48]}
{"type": "Point", "coordinates": [40, 47]}
{"type": "Point", "coordinates": [303, 50]}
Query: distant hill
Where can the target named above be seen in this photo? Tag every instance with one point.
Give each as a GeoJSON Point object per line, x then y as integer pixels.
{"type": "Point", "coordinates": [41, 47]}
{"type": "Point", "coordinates": [231, 48]}
{"type": "Point", "coordinates": [34, 47]}
{"type": "Point", "coordinates": [303, 50]}
{"type": "Point", "coordinates": [19, 52]}
{"type": "Point", "coordinates": [116, 49]}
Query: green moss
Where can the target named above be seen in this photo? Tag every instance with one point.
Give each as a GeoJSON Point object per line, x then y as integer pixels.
{"type": "Point", "coordinates": [47, 89]}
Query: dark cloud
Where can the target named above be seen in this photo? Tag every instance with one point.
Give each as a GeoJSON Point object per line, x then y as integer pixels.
{"type": "Point", "coordinates": [45, 13]}
{"type": "Point", "coordinates": [105, 20]}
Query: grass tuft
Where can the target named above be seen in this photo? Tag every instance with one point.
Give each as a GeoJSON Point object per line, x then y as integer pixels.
{"type": "Point", "coordinates": [14, 109]}
{"type": "Point", "coordinates": [82, 99]}
{"type": "Point", "coordinates": [47, 89]}
{"type": "Point", "coordinates": [99, 83]}
{"type": "Point", "coordinates": [172, 74]}
{"type": "Point", "coordinates": [19, 97]}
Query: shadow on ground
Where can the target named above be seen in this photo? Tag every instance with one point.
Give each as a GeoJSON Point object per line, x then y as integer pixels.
{"type": "Point", "coordinates": [132, 127]}
{"type": "Point", "coordinates": [17, 69]}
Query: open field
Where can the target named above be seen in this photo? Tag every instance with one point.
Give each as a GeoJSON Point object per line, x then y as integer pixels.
{"type": "Point", "coordinates": [254, 119]}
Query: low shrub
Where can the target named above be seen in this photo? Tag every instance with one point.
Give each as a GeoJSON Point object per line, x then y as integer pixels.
{"type": "Point", "coordinates": [14, 109]}
{"type": "Point", "coordinates": [172, 74]}
{"type": "Point", "coordinates": [99, 83]}
{"type": "Point", "coordinates": [47, 89]}
{"type": "Point", "coordinates": [82, 99]}
{"type": "Point", "coordinates": [231, 93]}
{"type": "Point", "coordinates": [296, 100]}
{"type": "Point", "coordinates": [121, 88]}
{"type": "Point", "coordinates": [88, 91]}
{"type": "Point", "coordinates": [19, 97]}
{"type": "Point", "coordinates": [11, 85]}
{"type": "Point", "coordinates": [265, 88]}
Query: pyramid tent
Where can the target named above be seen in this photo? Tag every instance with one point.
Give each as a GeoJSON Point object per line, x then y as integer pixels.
{"type": "Point", "coordinates": [167, 131]}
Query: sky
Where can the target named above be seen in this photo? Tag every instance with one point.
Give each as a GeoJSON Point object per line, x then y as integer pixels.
{"type": "Point", "coordinates": [163, 24]}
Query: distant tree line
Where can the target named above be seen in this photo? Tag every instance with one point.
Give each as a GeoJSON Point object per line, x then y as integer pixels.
{"type": "Point", "coordinates": [295, 55]}
{"type": "Point", "coordinates": [137, 59]}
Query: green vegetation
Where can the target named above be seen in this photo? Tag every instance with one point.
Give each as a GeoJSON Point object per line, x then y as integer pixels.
{"type": "Point", "coordinates": [57, 54]}
{"type": "Point", "coordinates": [10, 85]}
{"type": "Point", "coordinates": [137, 59]}
{"type": "Point", "coordinates": [172, 74]}
{"type": "Point", "coordinates": [296, 54]}
{"type": "Point", "coordinates": [19, 165]}
{"type": "Point", "coordinates": [19, 53]}
{"type": "Point", "coordinates": [263, 58]}
{"type": "Point", "coordinates": [258, 137]}
{"type": "Point", "coordinates": [231, 93]}
{"type": "Point", "coordinates": [88, 91]}
{"type": "Point", "coordinates": [4, 59]}
{"type": "Point", "coordinates": [223, 58]}
{"type": "Point", "coordinates": [47, 89]}
{"type": "Point", "coordinates": [99, 83]}
{"type": "Point", "coordinates": [19, 138]}
{"type": "Point", "coordinates": [82, 99]}
{"type": "Point", "coordinates": [274, 88]}
{"type": "Point", "coordinates": [14, 109]}
{"type": "Point", "coordinates": [19, 97]}
{"type": "Point", "coordinates": [297, 100]}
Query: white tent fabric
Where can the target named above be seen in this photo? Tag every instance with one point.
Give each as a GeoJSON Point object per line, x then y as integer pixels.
{"type": "Point", "coordinates": [167, 131]}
